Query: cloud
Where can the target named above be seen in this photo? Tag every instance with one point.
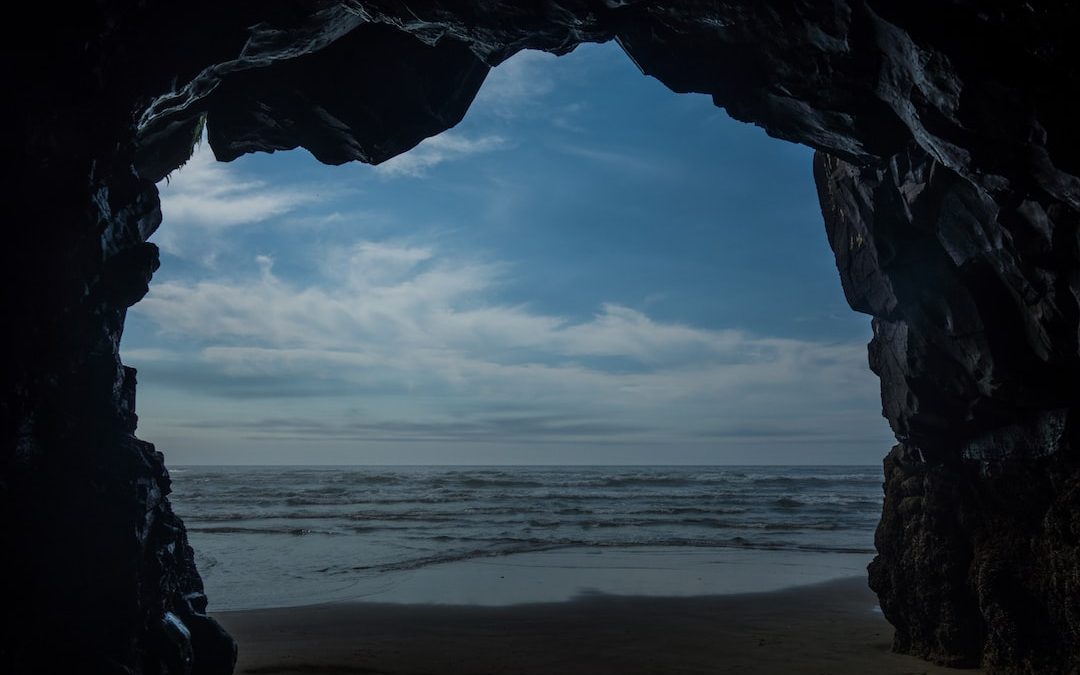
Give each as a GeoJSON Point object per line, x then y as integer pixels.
{"type": "Point", "coordinates": [433, 151]}
{"type": "Point", "coordinates": [564, 117]}
{"type": "Point", "coordinates": [209, 193]}
{"type": "Point", "coordinates": [204, 378]}
{"type": "Point", "coordinates": [403, 324]}
{"type": "Point", "coordinates": [516, 84]}
{"type": "Point", "coordinates": [482, 428]}
{"type": "Point", "coordinates": [205, 197]}
{"type": "Point", "coordinates": [621, 161]}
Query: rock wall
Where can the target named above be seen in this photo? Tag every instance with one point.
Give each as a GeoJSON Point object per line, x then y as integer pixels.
{"type": "Point", "coordinates": [974, 299]}
{"type": "Point", "coordinates": [947, 169]}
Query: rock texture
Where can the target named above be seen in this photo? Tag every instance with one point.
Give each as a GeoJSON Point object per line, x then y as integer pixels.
{"type": "Point", "coordinates": [974, 299]}
{"type": "Point", "coordinates": [948, 172]}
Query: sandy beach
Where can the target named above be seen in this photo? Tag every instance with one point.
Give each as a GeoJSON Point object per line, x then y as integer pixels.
{"type": "Point", "coordinates": [826, 628]}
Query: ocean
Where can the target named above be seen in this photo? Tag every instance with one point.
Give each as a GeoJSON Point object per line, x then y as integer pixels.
{"type": "Point", "coordinates": [282, 536]}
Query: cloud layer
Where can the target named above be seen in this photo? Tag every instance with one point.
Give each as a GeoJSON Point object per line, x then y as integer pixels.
{"type": "Point", "coordinates": [506, 290]}
{"type": "Point", "coordinates": [403, 322]}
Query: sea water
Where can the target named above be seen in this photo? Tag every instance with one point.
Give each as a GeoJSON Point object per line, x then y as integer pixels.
{"type": "Point", "coordinates": [279, 536]}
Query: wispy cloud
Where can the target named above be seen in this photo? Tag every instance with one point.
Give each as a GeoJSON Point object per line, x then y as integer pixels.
{"type": "Point", "coordinates": [445, 147]}
{"type": "Point", "coordinates": [205, 197]}
{"type": "Point", "coordinates": [480, 428]}
{"type": "Point", "coordinates": [619, 160]}
{"type": "Point", "coordinates": [396, 319]}
{"type": "Point", "coordinates": [526, 87]}
{"type": "Point", "coordinates": [516, 84]}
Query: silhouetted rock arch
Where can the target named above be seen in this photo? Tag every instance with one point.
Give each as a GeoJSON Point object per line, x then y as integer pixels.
{"type": "Point", "coordinates": [948, 173]}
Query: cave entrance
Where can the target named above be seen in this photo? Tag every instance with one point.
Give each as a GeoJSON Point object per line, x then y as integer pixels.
{"type": "Point", "coordinates": [588, 270]}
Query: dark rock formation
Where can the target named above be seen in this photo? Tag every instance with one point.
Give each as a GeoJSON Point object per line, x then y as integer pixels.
{"type": "Point", "coordinates": [948, 171]}
{"type": "Point", "coordinates": [973, 297]}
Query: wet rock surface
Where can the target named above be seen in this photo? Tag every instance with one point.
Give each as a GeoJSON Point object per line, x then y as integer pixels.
{"type": "Point", "coordinates": [947, 169]}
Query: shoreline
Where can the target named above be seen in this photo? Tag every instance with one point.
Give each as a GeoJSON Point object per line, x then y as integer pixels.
{"type": "Point", "coordinates": [561, 574]}
{"type": "Point", "coordinates": [831, 627]}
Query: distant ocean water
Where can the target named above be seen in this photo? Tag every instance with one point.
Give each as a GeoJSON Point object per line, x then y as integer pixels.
{"type": "Point", "coordinates": [283, 535]}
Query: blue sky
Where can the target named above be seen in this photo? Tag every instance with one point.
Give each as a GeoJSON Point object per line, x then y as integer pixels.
{"type": "Point", "coordinates": [588, 269]}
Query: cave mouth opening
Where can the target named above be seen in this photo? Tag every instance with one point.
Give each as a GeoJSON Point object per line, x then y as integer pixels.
{"type": "Point", "coordinates": [948, 187]}
{"type": "Point", "coordinates": [544, 284]}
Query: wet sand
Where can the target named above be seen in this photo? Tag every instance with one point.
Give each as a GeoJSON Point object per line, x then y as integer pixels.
{"type": "Point", "coordinates": [828, 628]}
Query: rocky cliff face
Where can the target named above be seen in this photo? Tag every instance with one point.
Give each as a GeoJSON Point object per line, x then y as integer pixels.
{"type": "Point", "coordinates": [947, 169]}
{"type": "Point", "coordinates": [973, 294]}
